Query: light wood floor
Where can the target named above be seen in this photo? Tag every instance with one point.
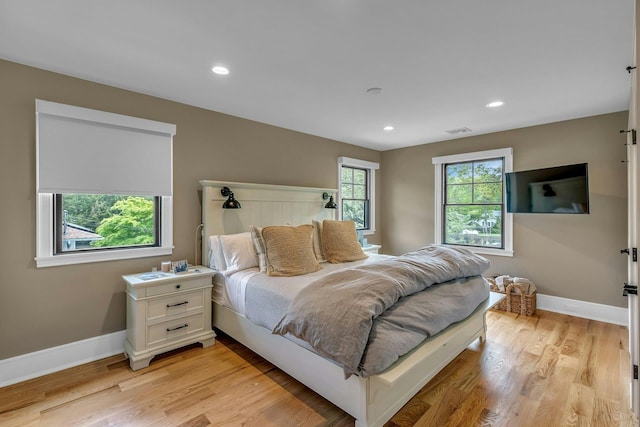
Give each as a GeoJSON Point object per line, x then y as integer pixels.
{"type": "Point", "coordinates": [545, 370]}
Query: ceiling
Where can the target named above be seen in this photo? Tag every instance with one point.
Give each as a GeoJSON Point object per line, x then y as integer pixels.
{"type": "Point", "coordinates": [307, 65]}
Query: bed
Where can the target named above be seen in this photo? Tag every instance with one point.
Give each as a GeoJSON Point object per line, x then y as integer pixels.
{"type": "Point", "coordinates": [371, 400]}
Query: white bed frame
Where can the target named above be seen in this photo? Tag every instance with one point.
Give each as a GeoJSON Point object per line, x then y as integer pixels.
{"type": "Point", "coordinates": [371, 401]}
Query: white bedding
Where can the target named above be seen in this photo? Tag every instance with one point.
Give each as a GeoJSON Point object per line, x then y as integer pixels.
{"type": "Point", "coordinates": [231, 290]}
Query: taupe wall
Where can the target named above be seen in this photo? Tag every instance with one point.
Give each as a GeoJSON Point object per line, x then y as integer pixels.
{"type": "Point", "coordinates": [571, 256]}
{"type": "Point", "coordinates": [45, 307]}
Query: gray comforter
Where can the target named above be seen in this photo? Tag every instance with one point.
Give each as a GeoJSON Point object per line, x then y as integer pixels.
{"type": "Point", "coordinates": [364, 318]}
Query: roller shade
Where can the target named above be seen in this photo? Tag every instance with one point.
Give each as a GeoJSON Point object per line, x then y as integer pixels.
{"type": "Point", "coordinates": [86, 151]}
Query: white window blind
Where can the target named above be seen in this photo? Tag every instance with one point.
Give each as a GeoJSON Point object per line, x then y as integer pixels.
{"type": "Point", "coordinates": [86, 151]}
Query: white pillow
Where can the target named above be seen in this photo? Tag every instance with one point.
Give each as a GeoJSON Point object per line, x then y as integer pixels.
{"type": "Point", "coordinates": [239, 253]}
{"type": "Point", "coordinates": [216, 257]}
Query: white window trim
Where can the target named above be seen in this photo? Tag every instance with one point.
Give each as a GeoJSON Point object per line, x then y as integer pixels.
{"type": "Point", "coordinates": [371, 185]}
{"type": "Point", "coordinates": [45, 242]}
{"type": "Point", "coordinates": [439, 162]}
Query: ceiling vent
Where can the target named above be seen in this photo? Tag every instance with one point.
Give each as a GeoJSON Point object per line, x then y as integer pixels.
{"type": "Point", "coordinates": [458, 131]}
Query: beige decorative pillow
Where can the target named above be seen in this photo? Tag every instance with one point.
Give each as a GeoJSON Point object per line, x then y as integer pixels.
{"type": "Point", "coordinates": [317, 241]}
{"type": "Point", "coordinates": [289, 250]}
{"type": "Point", "coordinates": [340, 242]}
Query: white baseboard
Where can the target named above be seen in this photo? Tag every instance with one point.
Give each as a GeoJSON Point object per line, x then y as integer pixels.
{"type": "Point", "coordinates": [32, 365]}
{"type": "Point", "coordinates": [588, 310]}
{"type": "Point", "coordinates": [38, 363]}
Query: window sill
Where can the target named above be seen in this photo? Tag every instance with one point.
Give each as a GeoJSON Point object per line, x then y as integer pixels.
{"type": "Point", "coordinates": [86, 257]}
{"type": "Point", "coordinates": [490, 251]}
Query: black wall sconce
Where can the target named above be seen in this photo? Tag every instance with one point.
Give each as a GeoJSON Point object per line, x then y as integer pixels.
{"type": "Point", "coordinates": [230, 203]}
{"type": "Point", "coordinates": [330, 204]}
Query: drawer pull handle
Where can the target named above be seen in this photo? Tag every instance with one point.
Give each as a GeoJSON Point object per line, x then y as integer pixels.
{"type": "Point", "coordinates": [177, 327]}
{"type": "Point", "coordinates": [175, 305]}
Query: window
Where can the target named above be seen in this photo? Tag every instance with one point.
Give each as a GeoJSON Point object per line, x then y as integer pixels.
{"type": "Point", "coordinates": [354, 190]}
{"type": "Point", "coordinates": [104, 186]}
{"type": "Point", "coordinates": [356, 199]}
{"type": "Point", "coordinates": [86, 222]}
{"type": "Point", "coordinates": [470, 201]}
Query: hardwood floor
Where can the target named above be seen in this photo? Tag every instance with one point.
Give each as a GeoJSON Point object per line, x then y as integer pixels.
{"type": "Point", "coordinates": [545, 370]}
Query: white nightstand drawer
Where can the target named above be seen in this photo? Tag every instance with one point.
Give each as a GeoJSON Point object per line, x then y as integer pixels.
{"type": "Point", "coordinates": [178, 286]}
{"type": "Point", "coordinates": [161, 333]}
{"type": "Point", "coordinates": [158, 309]}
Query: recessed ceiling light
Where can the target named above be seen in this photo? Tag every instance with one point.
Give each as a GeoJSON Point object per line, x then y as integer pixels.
{"type": "Point", "coordinates": [494, 104]}
{"type": "Point", "coordinates": [219, 69]}
{"type": "Point", "coordinates": [388, 128]}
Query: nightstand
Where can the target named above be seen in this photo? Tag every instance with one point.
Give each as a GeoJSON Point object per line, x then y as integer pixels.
{"type": "Point", "coordinates": [371, 249]}
{"type": "Point", "coordinates": [166, 311]}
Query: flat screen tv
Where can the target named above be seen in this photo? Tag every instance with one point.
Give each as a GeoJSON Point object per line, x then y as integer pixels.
{"type": "Point", "coordinates": [560, 189]}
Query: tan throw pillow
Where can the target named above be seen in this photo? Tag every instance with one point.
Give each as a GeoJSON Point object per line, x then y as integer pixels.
{"type": "Point", "coordinates": [340, 242]}
{"type": "Point", "coordinates": [289, 250]}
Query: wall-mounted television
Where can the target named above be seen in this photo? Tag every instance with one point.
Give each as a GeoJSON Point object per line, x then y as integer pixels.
{"type": "Point", "coordinates": [560, 189]}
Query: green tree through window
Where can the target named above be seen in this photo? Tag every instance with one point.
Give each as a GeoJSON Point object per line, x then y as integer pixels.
{"type": "Point", "coordinates": [355, 196]}
{"type": "Point", "coordinates": [131, 223]}
{"type": "Point", "coordinates": [473, 203]}
{"type": "Point", "coordinates": [106, 221]}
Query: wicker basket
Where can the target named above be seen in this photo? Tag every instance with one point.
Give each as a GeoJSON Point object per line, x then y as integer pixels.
{"type": "Point", "coordinates": [515, 302]}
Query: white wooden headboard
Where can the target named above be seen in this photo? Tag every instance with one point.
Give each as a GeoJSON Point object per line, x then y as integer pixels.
{"type": "Point", "coordinates": [262, 205]}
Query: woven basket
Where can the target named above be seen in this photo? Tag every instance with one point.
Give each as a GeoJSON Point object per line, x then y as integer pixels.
{"type": "Point", "coordinates": [514, 302]}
